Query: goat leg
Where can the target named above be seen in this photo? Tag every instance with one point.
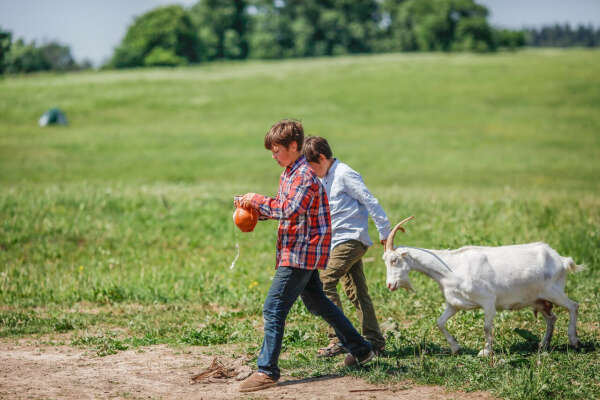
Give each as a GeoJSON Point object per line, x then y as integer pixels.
{"type": "Point", "coordinates": [441, 323]}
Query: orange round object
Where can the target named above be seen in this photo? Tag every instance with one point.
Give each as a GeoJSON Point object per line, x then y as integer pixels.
{"type": "Point", "coordinates": [245, 218]}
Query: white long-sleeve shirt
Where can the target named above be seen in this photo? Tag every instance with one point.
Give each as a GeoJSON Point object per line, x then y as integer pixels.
{"type": "Point", "coordinates": [350, 204]}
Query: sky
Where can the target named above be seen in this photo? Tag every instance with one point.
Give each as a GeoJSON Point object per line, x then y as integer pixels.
{"type": "Point", "coordinates": [93, 28]}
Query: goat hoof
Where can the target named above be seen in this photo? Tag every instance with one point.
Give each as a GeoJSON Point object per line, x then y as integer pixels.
{"type": "Point", "coordinates": [484, 353]}
{"type": "Point", "coordinates": [576, 343]}
{"type": "Point", "coordinates": [455, 350]}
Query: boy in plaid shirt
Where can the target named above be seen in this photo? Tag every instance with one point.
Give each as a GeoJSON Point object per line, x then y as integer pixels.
{"type": "Point", "coordinates": [303, 240]}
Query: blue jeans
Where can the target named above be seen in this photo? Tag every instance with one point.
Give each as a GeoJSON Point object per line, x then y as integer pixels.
{"type": "Point", "coordinates": [289, 283]}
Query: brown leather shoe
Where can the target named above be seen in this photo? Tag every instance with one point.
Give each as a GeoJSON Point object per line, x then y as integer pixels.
{"type": "Point", "coordinates": [350, 360]}
{"type": "Point", "coordinates": [257, 381]}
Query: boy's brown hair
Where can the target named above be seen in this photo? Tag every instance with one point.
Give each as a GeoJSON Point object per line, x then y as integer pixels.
{"type": "Point", "coordinates": [315, 146]}
{"type": "Point", "coordinates": [285, 132]}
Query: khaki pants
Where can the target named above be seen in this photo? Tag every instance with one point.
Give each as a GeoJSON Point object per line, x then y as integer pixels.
{"type": "Point", "coordinates": [345, 264]}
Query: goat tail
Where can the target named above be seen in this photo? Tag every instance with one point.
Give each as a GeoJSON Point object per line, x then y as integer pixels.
{"type": "Point", "coordinates": [570, 265]}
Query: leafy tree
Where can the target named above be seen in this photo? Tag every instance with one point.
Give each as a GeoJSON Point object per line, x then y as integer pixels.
{"type": "Point", "coordinates": [396, 28]}
{"type": "Point", "coordinates": [163, 57]}
{"type": "Point", "coordinates": [5, 43]}
{"type": "Point", "coordinates": [303, 33]}
{"type": "Point", "coordinates": [272, 35]}
{"type": "Point", "coordinates": [511, 40]}
{"type": "Point", "coordinates": [437, 25]}
{"type": "Point", "coordinates": [234, 46]}
{"type": "Point", "coordinates": [263, 41]}
{"type": "Point", "coordinates": [58, 56]}
{"type": "Point", "coordinates": [301, 28]}
{"type": "Point", "coordinates": [223, 27]}
{"type": "Point", "coordinates": [474, 34]}
{"type": "Point", "coordinates": [169, 29]}
{"type": "Point", "coordinates": [86, 64]}
{"type": "Point", "coordinates": [25, 57]}
{"type": "Point", "coordinates": [22, 57]}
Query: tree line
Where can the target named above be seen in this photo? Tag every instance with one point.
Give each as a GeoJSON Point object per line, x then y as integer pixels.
{"type": "Point", "coordinates": [274, 29]}
{"type": "Point", "coordinates": [20, 57]}
{"type": "Point", "coordinates": [563, 36]}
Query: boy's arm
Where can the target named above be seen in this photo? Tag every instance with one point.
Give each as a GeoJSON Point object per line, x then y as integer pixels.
{"type": "Point", "coordinates": [286, 205]}
{"type": "Point", "coordinates": [356, 188]}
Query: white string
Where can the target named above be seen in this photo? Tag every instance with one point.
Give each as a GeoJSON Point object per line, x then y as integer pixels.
{"type": "Point", "coordinates": [237, 246]}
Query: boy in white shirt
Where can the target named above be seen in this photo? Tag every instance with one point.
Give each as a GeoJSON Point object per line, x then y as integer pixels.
{"type": "Point", "coordinates": [350, 204]}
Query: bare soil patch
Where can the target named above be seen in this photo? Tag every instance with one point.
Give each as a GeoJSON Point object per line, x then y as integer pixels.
{"type": "Point", "coordinates": [34, 371]}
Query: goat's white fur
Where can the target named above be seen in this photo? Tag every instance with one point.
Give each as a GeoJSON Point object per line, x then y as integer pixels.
{"type": "Point", "coordinates": [493, 278]}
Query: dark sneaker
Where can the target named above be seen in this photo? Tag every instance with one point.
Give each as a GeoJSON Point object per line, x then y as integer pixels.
{"type": "Point", "coordinates": [330, 351]}
{"type": "Point", "coordinates": [379, 351]}
{"type": "Point", "coordinates": [350, 360]}
{"type": "Point", "coordinates": [257, 381]}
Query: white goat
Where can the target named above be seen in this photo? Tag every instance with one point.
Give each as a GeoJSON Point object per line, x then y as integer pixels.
{"type": "Point", "coordinates": [493, 278]}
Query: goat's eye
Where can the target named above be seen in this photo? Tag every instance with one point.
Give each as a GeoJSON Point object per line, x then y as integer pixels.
{"type": "Point", "coordinates": [392, 259]}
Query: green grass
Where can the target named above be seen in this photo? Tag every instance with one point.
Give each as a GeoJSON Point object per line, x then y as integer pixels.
{"type": "Point", "coordinates": [117, 229]}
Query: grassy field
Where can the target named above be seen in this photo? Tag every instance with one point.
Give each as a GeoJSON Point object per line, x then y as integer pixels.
{"type": "Point", "coordinates": [118, 227]}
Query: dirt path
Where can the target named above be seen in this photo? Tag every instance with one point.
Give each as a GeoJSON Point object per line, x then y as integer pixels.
{"type": "Point", "coordinates": [36, 371]}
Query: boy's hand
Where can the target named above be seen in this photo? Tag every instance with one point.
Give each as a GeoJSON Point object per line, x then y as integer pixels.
{"type": "Point", "coordinates": [244, 201]}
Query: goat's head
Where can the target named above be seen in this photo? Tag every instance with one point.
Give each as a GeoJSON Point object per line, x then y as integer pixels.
{"type": "Point", "coordinates": [396, 261]}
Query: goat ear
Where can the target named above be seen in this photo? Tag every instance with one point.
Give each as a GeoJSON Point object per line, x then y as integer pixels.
{"type": "Point", "coordinates": [404, 254]}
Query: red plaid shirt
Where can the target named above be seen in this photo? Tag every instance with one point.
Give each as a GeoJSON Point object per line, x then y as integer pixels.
{"type": "Point", "coordinates": [302, 208]}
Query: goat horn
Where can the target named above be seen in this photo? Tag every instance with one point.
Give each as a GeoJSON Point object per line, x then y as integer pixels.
{"type": "Point", "coordinates": [389, 243]}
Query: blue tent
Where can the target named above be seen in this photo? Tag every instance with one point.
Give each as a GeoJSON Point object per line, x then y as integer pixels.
{"type": "Point", "coordinates": [53, 116]}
